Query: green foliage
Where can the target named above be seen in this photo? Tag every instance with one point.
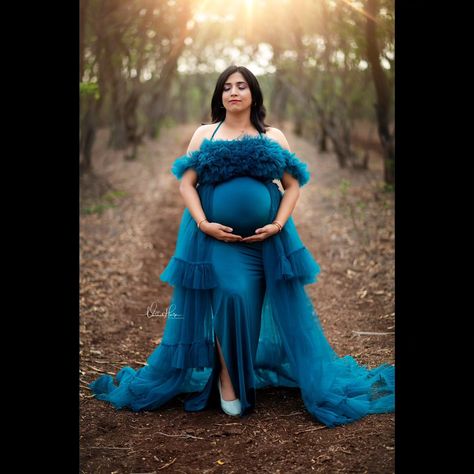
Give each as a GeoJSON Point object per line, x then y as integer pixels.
{"type": "Point", "coordinates": [386, 187]}
{"type": "Point", "coordinates": [97, 208]}
{"type": "Point", "coordinates": [89, 89]}
{"type": "Point", "coordinates": [344, 186]}
{"type": "Point", "coordinates": [108, 200]}
{"type": "Point", "coordinates": [112, 196]}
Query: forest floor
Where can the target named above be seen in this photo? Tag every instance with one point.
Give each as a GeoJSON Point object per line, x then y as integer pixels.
{"type": "Point", "coordinates": [129, 223]}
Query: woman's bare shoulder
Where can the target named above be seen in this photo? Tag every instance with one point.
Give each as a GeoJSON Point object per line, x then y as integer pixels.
{"type": "Point", "coordinates": [206, 127]}
{"type": "Point", "coordinates": [206, 130]}
{"type": "Point", "coordinates": [201, 133]}
{"type": "Point", "coordinates": [277, 135]}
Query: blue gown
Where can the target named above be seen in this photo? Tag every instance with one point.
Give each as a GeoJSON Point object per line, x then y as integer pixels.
{"type": "Point", "coordinates": [251, 297]}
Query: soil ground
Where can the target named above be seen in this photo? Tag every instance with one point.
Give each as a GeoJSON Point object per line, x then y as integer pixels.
{"type": "Point", "coordinates": [129, 223]}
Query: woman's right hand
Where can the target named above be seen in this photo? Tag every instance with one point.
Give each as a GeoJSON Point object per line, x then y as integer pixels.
{"type": "Point", "coordinates": [219, 231]}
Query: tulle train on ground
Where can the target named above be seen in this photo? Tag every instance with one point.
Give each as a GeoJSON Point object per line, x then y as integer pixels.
{"type": "Point", "coordinates": [286, 348]}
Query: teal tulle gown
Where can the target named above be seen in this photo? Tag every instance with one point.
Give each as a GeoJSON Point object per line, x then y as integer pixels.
{"type": "Point", "coordinates": [251, 297]}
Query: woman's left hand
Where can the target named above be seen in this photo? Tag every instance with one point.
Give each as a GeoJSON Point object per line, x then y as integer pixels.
{"type": "Point", "coordinates": [262, 233]}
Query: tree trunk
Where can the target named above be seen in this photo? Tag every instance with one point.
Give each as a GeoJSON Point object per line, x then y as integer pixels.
{"type": "Point", "coordinates": [111, 67]}
{"type": "Point", "coordinates": [183, 99]}
{"type": "Point", "coordinates": [118, 135]}
{"type": "Point", "coordinates": [279, 97]}
{"type": "Point", "coordinates": [300, 74]}
{"type": "Point", "coordinates": [323, 136]}
{"type": "Point", "coordinates": [382, 106]}
{"type": "Point", "coordinates": [341, 148]}
{"type": "Point", "coordinates": [88, 133]}
{"type": "Point", "coordinates": [159, 102]}
{"type": "Point", "coordinates": [132, 136]}
{"type": "Point", "coordinates": [82, 28]}
{"type": "Point", "coordinates": [335, 126]}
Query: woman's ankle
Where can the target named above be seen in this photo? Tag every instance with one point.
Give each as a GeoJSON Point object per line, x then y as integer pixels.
{"type": "Point", "coordinates": [226, 384]}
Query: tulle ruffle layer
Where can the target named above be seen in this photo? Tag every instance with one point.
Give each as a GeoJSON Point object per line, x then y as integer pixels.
{"type": "Point", "coordinates": [298, 264]}
{"type": "Point", "coordinates": [170, 370]}
{"type": "Point", "coordinates": [354, 391]}
{"type": "Point", "coordinates": [201, 275]}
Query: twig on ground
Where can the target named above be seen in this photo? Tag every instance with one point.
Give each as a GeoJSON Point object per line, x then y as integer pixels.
{"type": "Point", "coordinates": [106, 447]}
{"type": "Point", "coordinates": [167, 464]}
{"type": "Point", "coordinates": [179, 436]}
{"type": "Point", "coordinates": [367, 333]}
{"type": "Point", "coordinates": [292, 414]}
{"type": "Point", "coordinates": [100, 370]}
{"type": "Point", "coordinates": [312, 429]}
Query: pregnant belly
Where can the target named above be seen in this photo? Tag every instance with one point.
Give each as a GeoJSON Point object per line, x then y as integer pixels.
{"type": "Point", "coordinates": [242, 203]}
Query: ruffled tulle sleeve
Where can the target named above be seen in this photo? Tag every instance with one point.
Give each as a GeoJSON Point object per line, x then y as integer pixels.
{"type": "Point", "coordinates": [183, 163]}
{"type": "Point", "coordinates": [297, 168]}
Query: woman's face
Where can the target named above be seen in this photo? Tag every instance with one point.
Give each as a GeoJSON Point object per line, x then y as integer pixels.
{"type": "Point", "coordinates": [236, 95]}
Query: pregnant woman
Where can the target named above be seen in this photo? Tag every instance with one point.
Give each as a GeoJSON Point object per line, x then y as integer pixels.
{"type": "Point", "coordinates": [240, 318]}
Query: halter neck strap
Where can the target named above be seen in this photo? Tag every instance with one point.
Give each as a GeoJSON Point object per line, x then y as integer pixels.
{"type": "Point", "coordinates": [217, 128]}
{"type": "Point", "coordinates": [220, 123]}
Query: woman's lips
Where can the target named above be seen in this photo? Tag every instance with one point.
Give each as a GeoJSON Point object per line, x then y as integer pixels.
{"type": "Point", "coordinates": [234, 101]}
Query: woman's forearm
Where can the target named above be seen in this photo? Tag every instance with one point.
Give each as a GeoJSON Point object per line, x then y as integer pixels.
{"type": "Point", "coordinates": [287, 204]}
{"type": "Point", "coordinates": [193, 202]}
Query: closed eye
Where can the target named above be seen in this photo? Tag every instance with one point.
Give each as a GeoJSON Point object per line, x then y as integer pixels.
{"type": "Point", "coordinates": [240, 87]}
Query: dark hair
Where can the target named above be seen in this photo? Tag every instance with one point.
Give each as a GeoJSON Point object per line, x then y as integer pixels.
{"type": "Point", "coordinates": [257, 111]}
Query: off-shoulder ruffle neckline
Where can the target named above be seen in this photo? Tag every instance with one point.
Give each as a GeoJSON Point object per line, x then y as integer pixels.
{"type": "Point", "coordinates": [258, 156]}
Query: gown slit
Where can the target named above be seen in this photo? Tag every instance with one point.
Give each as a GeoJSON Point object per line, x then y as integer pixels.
{"type": "Point", "coordinates": [237, 308]}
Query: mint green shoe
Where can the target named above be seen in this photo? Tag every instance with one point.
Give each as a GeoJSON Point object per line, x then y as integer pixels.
{"type": "Point", "coordinates": [232, 407]}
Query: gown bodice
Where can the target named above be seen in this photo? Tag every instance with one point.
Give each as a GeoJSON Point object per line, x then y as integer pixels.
{"type": "Point", "coordinates": [259, 157]}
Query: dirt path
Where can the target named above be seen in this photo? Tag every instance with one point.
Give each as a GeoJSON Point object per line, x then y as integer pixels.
{"type": "Point", "coordinates": [344, 219]}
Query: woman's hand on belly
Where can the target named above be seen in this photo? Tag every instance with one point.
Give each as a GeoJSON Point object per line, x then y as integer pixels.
{"type": "Point", "coordinates": [220, 232]}
{"type": "Point", "coordinates": [262, 233]}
